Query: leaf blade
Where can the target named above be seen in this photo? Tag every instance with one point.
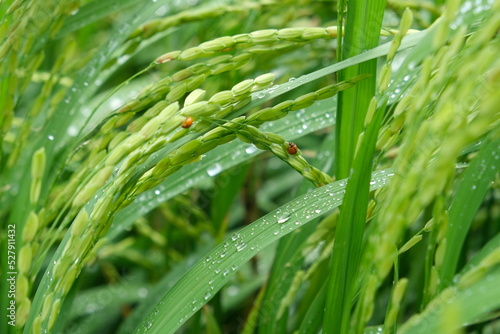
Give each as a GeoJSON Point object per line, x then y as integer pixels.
{"type": "Point", "coordinates": [207, 277]}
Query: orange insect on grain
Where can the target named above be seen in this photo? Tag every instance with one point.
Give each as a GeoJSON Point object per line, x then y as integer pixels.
{"type": "Point", "coordinates": [292, 148]}
{"type": "Point", "coordinates": [187, 122]}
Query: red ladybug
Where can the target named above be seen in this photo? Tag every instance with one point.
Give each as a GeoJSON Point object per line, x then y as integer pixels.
{"type": "Point", "coordinates": [292, 148]}
{"type": "Point", "coordinates": [187, 123]}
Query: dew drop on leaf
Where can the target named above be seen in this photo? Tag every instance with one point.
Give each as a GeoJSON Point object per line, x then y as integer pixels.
{"type": "Point", "coordinates": [214, 170]}
{"type": "Point", "coordinates": [251, 149]}
{"type": "Point", "coordinates": [283, 217]}
{"type": "Point", "coordinates": [72, 131]}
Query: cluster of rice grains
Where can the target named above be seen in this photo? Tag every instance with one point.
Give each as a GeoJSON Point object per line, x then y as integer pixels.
{"type": "Point", "coordinates": [25, 26]}
{"type": "Point", "coordinates": [34, 24]}
{"type": "Point", "coordinates": [171, 123]}
{"type": "Point", "coordinates": [442, 113]}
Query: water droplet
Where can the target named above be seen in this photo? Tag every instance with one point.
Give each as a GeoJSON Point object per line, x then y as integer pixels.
{"type": "Point", "coordinates": [208, 295]}
{"type": "Point", "coordinates": [214, 170]}
{"type": "Point", "coordinates": [115, 103]}
{"type": "Point", "coordinates": [273, 88]}
{"type": "Point", "coordinates": [72, 131]}
{"type": "Point", "coordinates": [235, 236]}
{"type": "Point", "coordinates": [122, 59]}
{"type": "Point", "coordinates": [161, 11]}
{"type": "Point", "coordinates": [284, 218]}
{"type": "Point", "coordinates": [261, 95]}
{"type": "Point", "coordinates": [157, 192]}
{"type": "Point", "coordinates": [232, 290]}
{"type": "Point", "coordinates": [143, 292]}
{"type": "Point", "coordinates": [251, 149]}
{"type": "Point", "coordinates": [51, 137]}
{"type": "Point", "coordinates": [86, 111]}
{"type": "Point", "coordinates": [241, 247]}
{"type": "Point", "coordinates": [292, 79]}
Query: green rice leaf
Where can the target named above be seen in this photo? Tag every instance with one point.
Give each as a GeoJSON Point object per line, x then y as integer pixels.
{"type": "Point", "coordinates": [361, 32]}
{"type": "Point", "coordinates": [472, 188]}
{"type": "Point", "coordinates": [92, 12]}
{"type": "Point", "coordinates": [349, 233]}
{"type": "Point", "coordinates": [454, 308]}
{"type": "Point", "coordinates": [201, 283]}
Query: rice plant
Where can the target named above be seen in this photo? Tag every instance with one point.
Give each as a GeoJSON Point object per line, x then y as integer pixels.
{"type": "Point", "coordinates": [258, 166]}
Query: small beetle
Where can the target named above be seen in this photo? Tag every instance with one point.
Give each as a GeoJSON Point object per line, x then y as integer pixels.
{"type": "Point", "coordinates": [292, 148]}
{"type": "Point", "coordinates": [187, 122]}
